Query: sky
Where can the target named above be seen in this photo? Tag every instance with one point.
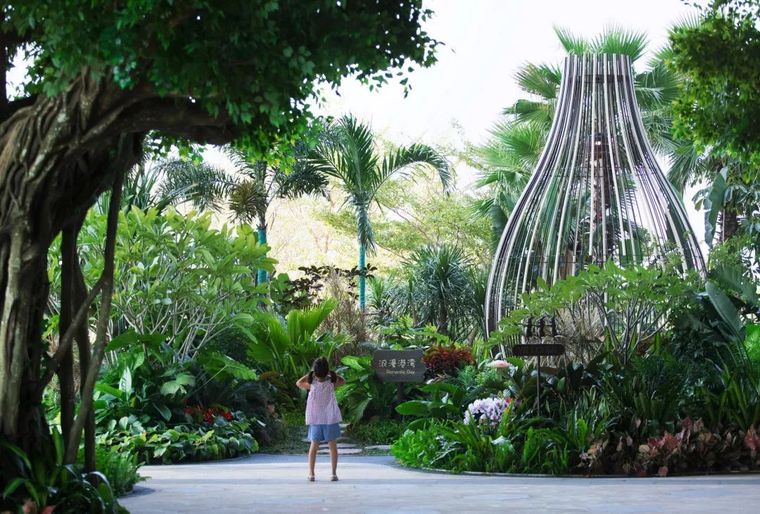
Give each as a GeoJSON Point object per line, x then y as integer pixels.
{"type": "Point", "coordinates": [458, 99]}
{"type": "Point", "coordinates": [486, 41]}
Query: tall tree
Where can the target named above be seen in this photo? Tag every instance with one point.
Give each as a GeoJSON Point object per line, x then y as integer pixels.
{"type": "Point", "coordinates": [247, 193]}
{"type": "Point", "coordinates": [263, 182]}
{"type": "Point", "coordinates": [103, 74]}
{"type": "Point", "coordinates": [350, 156]}
{"type": "Point", "coordinates": [719, 58]}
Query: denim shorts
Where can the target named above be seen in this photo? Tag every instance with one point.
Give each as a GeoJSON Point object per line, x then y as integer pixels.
{"type": "Point", "coordinates": [321, 433]}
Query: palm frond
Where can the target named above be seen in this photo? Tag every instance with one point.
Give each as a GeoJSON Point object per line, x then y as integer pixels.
{"type": "Point", "coordinates": [542, 80]}
{"type": "Point", "coordinates": [615, 40]}
{"type": "Point", "coordinates": [203, 185]}
{"type": "Point", "coordinates": [248, 201]}
{"type": "Point", "coordinates": [414, 159]}
{"type": "Point", "coordinates": [530, 111]}
{"type": "Point", "coordinates": [573, 44]}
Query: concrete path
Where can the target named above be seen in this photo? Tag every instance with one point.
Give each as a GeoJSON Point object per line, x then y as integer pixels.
{"type": "Point", "coordinates": [277, 484]}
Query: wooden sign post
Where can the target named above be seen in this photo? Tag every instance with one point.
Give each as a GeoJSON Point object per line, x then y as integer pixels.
{"type": "Point", "coordinates": [400, 366]}
{"type": "Point", "coordinates": [539, 350]}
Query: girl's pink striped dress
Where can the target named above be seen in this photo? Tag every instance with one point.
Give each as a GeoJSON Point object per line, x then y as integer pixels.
{"type": "Point", "coordinates": [322, 412]}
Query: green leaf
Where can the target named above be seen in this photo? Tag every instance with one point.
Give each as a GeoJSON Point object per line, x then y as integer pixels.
{"type": "Point", "coordinates": [107, 389]}
{"type": "Point", "coordinates": [164, 411]}
{"type": "Point", "coordinates": [12, 486]}
{"type": "Point", "coordinates": [419, 408]}
{"type": "Point", "coordinates": [726, 310]}
{"type": "Point", "coordinates": [714, 204]}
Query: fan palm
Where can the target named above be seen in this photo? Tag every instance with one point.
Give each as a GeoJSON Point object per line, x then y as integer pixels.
{"type": "Point", "coordinates": [350, 157]}
{"type": "Point", "coordinates": [510, 155]}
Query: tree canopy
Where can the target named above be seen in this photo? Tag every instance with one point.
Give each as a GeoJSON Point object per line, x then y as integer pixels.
{"type": "Point", "coordinates": [720, 60]}
{"type": "Point", "coordinates": [101, 75]}
{"type": "Point", "coordinates": [252, 64]}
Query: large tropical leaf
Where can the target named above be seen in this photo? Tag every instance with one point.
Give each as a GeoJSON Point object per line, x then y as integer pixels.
{"type": "Point", "coordinates": [303, 323]}
{"type": "Point", "coordinates": [726, 311]}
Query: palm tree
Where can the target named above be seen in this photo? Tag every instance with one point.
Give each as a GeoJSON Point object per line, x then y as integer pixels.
{"type": "Point", "coordinates": [349, 156]}
{"type": "Point", "coordinates": [249, 193]}
{"type": "Point", "coordinates": [510, 155]}
{"type": "Point", "coordinates": [251, 197]}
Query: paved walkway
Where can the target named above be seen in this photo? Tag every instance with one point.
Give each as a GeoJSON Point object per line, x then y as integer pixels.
{"type": "Point", "coordinates": [277, 484]}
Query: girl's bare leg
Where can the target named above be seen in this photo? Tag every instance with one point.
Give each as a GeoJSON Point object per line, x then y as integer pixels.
{"type": "Point", "coordinates": [313, 456]}
{"type": "Point", "coordinates": [333, 455]}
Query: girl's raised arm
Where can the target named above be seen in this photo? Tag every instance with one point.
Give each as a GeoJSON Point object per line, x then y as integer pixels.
{"type": "Point", "coordinates": [339, 380]}
{"type": "Point", "coordinates": [303, 382]}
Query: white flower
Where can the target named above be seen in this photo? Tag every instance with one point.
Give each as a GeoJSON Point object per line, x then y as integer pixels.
{"type": "Point", "coordinates": [486, 411]}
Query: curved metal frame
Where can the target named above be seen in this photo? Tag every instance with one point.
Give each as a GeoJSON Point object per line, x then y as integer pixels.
{"type": "Point", "coordinates": [597, 193]}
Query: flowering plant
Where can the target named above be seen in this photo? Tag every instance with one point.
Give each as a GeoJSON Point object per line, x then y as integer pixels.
{"type": "Point", "coordinates": [500, 364]}
{"type": "Point", "coordinates": [199, 413]}
{"type": "Point", "coordinates": [442, 359]}
{"type": "Point", "coordinates": [486, 411]}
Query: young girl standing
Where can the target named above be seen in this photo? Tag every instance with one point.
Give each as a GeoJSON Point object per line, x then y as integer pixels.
{"type": "Point", "coordinates": [322, 412]}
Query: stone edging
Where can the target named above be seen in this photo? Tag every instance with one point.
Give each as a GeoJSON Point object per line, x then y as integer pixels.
{"type": "Point", "coordinates": [584, 477]}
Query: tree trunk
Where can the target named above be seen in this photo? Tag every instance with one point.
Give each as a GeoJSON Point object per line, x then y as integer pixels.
{"type": "Point", "coordinates": [104, 318]}
{"type": "Point", "coordinates": [362, 277]}
{"type": "Point", "coordinates": [83, 343]}
{"type": "Point", "coordinates": [25, 289]}
{"type": "Point", "coordinates": [57, 155]}
{"type": "Point", "coordinates": [730, 222]}
{"type": "Point", "coordinates": [42, 189]}
{"type": "Point", "coordinates": [66, 370]}
{"type": "Point", "coordinates": [261, 237]}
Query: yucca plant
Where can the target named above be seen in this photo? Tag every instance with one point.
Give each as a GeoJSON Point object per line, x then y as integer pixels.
{"type": "Point", "coordinates": [446, 290]}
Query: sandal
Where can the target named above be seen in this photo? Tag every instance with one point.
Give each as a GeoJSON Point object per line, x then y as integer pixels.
{"type": "Point", "coordinates": [310, 478]}
{"type": "Point", "coordinates": [334, 478]}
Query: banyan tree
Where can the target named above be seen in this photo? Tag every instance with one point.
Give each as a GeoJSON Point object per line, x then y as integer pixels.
{"type": "Point", "coordinates": [597, 194]}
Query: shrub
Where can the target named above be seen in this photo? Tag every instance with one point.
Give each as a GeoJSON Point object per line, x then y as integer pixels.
{"type": "Point", "coordinates": [120, 468]}
{"type": "Point", "coordinates": [443, 359]}
{"type": "Point", "coordinates": [40, 482]}
{"type": "Point", "coordinates": [692, 448]}
{"type": "Point", "coordinates": [220, 440]}
{"type": "Point", "coordinates": [364, 395]}
{"type": "Point", "coordinates": [421, 448]}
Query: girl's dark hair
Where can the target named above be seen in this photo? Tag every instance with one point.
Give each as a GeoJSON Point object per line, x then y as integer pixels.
{"type": "Point", "coordinates": [320, 369]}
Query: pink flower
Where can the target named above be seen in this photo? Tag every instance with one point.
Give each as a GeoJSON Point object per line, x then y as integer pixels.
{"type": "Point", "coordinates": [499, 364]}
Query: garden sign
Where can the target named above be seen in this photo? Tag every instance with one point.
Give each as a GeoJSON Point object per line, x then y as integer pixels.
{"type": "Point", "coordinates": [399, 365]}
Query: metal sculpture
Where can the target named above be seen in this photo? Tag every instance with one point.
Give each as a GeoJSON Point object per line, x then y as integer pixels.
{"type": "Point", "coordinates": [597, 193]}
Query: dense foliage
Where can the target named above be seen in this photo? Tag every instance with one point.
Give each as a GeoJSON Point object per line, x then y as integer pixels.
{"type": "Point", "coordinates": [198, 342]}
{"type": "Point", "coordinates": [100, 77]}
{"type": "Point", "coordinates": [685, 400]}
{"type": "Point", "coordinates": [720, 60]}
